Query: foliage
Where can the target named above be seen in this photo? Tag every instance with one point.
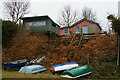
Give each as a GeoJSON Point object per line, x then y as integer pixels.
{"type": "Point", "coordinates": [9, 29]}
{"type": "Point", "coordinates": [30, 48]}
{"type": "Point", "coordinates": [105, 70]}
{"type": "Point", "coordinates": [97, 48]}
{"type": "Point", "coordinates": [116, 27]}
{"type": "Point", "coordinates": [99, 53]}
{"type": "Point", "coordinates": [12, 33]}
{"type": "Point", "coordinates": [20, 36]}
{"type": "Point", "coordinates": [94, 51]}
{"type": "Point", "coordinates": [58, 51]}
{"type": "Point", "coordinates": [115, 23]}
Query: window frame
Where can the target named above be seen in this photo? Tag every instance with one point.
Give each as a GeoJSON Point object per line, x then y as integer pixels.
{"type": "Point", "coordinates": [36, 23]}
{"type": "Point", "coordinates": [76, 30]}
{"type": "Point", "coordinates": [66, 32]}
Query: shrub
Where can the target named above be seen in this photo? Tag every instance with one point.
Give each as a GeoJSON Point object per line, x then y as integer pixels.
{"type": "Point", "coordinates": [31, 48]}
{"type": "Point", "coordinates": [9, 29]}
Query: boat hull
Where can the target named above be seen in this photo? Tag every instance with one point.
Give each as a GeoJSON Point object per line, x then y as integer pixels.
{"type": "Point", "coordinates": [15, 65]}
{"type": "Point", "coordinates": [32, 69]}
{"type": "Point", "coordinates": [62, 67]}
{"type": "Point", "coordinates": [76, 72]}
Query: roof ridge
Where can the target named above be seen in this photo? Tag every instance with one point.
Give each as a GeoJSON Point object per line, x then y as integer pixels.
{"type": "Point", "coordinates": [83, 20]}
{"type": "Point", "coordinates": [35, 16]}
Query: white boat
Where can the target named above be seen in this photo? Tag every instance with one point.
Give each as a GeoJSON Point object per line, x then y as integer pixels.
{"type": "Point", "coordinates": [62, 67]}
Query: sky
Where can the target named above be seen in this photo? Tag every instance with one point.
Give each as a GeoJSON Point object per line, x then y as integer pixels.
{"type": "Point", "coordinates": [52, 8]}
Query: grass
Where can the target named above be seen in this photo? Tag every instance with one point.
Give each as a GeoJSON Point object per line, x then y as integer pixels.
{"type": "Point", "coordinates": [16, 74]}
{"type": "Point", "coordinates": [46, 75]}
{"type": "Point", "coordinates": [105, 70]}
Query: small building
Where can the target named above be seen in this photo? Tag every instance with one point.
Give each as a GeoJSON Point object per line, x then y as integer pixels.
{"type": "Point", "coordinates": [41, 24]}
{"type": "Point", "coordinates": [83, 26]}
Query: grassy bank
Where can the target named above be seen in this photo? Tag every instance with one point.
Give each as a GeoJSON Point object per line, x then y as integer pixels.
{"type": "Point", "coordinates": [16, 74]}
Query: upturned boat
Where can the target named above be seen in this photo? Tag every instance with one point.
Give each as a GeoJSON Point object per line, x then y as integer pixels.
{"type": "Point", "coordinates": [76, 72]}
{"type": "Point", "coordinates": [62, 67]}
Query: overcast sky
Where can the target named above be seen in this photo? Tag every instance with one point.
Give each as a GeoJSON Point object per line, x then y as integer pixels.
{"type": "Point", "coordinates": [52, 8]}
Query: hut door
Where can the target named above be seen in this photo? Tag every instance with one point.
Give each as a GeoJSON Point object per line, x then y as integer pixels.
{"type": "Point", "coordinates": [85, 30]}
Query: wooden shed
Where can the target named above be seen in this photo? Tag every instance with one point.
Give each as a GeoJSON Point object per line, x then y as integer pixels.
{"type": "Point", "coordinates": [83, 26]}
{"type": "Point", "coordinates": [41, 24]}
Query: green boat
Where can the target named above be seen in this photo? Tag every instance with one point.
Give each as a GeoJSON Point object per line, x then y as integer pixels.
{"type": "Point", "coordinates": [76, 72]}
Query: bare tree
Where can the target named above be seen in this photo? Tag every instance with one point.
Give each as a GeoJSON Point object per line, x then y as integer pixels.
{"type": "Point", "coordinates": [16, 8]}
{"type": "Point", "coordinates": [88, 14]}
{"type": "Point", "coordinates": [68, 16]}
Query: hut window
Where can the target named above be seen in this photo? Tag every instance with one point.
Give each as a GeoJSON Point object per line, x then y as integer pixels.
{"type": "Point", "coordinates": [40, 23]}
{"type": "Point", "coordinates": [36, 23]}
{"type": "Point", "coordinates": [66, 31]}
{"type": "Point", "coordinates": [77, 29]}
{"type": "Point", "coordinates": [29, 24]}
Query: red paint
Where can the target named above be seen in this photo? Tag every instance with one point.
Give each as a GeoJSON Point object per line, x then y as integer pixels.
{"type": "Point", "coordinates": [83, 23]}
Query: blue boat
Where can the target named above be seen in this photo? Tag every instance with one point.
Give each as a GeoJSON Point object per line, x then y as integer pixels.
{"type": "Point", "coordinates": [17, 63]}
{"type": "Point", "coordinates": [32, 69]}
{"type": "Point", "coordinates": [57, 65]}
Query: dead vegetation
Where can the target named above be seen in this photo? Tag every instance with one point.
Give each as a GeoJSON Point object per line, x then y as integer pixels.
{"type": "Point", "coordinates": [30, 48]}
{"type": "Point", "coordinates": [60, 51]}
{"type": "Point", "coordinates": [99, 52]}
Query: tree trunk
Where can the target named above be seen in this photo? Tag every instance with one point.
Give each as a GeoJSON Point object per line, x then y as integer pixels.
{"type": "Point", "coordinates": [118, 56]}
